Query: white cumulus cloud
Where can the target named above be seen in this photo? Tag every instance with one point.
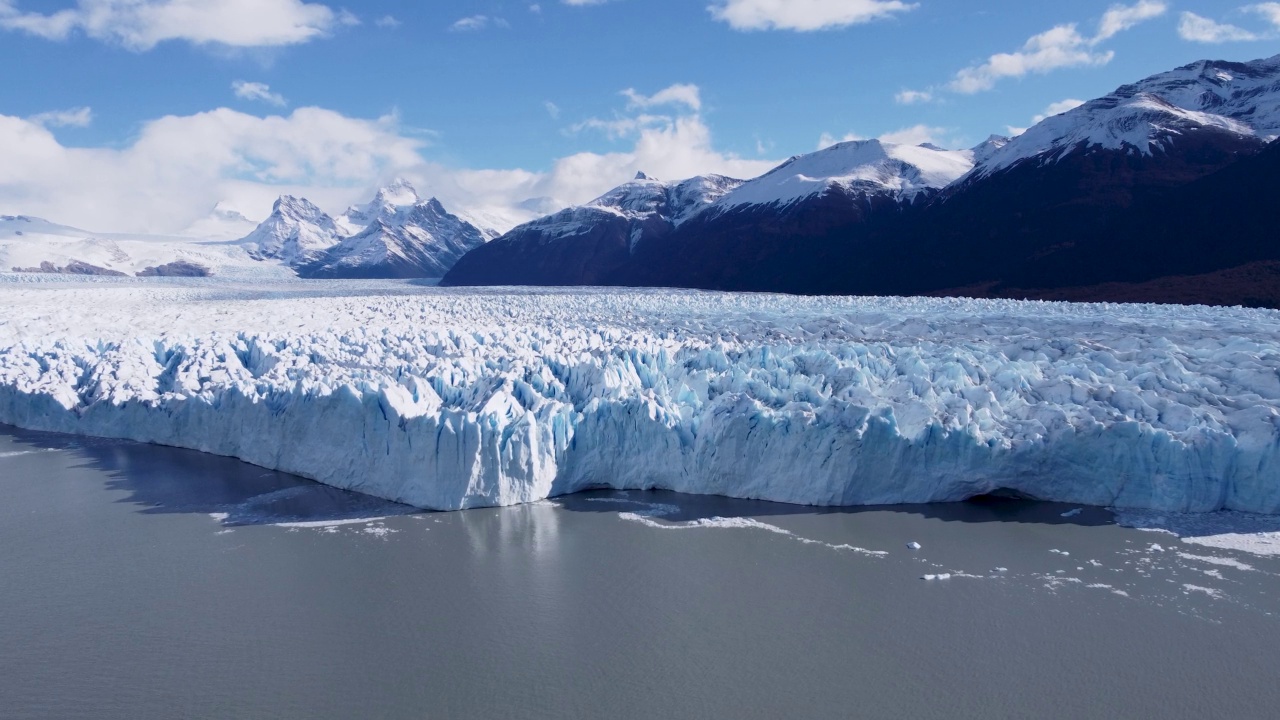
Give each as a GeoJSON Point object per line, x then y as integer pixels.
{"type": "Point", "coordinates": [1054, 109]}
{"type": "Point", "coordinates": [74, 117]}
{"type": "Point", "coordinates": [914, 135]}
{"type": "Point", "coordinates": [680, 94]}
{"type": "Point", "coordinates": [803, 15]}
{"type": "Point", "coordinates": [1120, 18]}
{"type": "Point", "coordinates": [478, 22]}
{"type": "Point", "coordinates": [673, 145]}
{"type": "Point", "coordinates": [178, 167]}
{"type": "Point", "coordinates": [911, 97]}
{"type": "Point", "coordinates": [1062, 46]}
{"type": "Point", "coordinates": [1199, 29]}
{"type": "Point", "coordinates": [257, 91]}
{"type": "Point", "coordinates": [473, 22]}
{"type": "Point", "coordinates": [1057, 109]}
{"type": "Point", "coordinates": [142, 24]}
{"type": "Point", "coordinates": [1268, 10]}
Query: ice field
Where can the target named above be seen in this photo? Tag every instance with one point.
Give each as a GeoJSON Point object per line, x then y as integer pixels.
{"type": "Point", "coordinates": [454, 398]}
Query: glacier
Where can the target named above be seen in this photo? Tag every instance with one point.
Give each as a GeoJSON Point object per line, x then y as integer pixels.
{"type": "Point", "coordinates": [457, 398]}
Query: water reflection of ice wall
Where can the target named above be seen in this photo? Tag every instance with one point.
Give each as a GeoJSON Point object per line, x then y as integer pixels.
{"type": "Point", "coordinates": [449, 399]}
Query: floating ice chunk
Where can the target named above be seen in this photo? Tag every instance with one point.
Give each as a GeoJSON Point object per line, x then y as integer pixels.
{"type": "Point", "coordinates": [1072, 513]}
{"type": "Point", "coordinates": [327, 523]}
{"type": "Point", "coordinates": [1225, 562]}
{"type": "Point", "coordinates": [913, 545]}
{"type": "Point", "coordinates": [20, 453]}
{"type": "Point", "coordinates": [1211, 592]}
{"type": "Point", "coordinates": [731, 523]}
{"type": "Point", "coordinates": [1227, 530]}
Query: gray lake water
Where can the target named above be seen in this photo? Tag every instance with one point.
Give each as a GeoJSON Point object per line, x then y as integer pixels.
{"type": "Point", "coordinates": [145, 582]}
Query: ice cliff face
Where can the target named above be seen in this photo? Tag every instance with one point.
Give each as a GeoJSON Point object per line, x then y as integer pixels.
{"type": "Point", "coordinates": [451, 399]}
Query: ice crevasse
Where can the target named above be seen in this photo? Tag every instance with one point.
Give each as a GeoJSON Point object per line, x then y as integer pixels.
{"type": "Point", "coordinates": [450, 399]}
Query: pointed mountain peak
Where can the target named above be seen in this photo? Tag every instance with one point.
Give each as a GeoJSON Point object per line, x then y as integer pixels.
{"type": "Point", "coordinates": [397, 194]}
{"type": "Point", "coordinates": [295, 208]}
{"type": "Point", "coordinates": [642, 176]}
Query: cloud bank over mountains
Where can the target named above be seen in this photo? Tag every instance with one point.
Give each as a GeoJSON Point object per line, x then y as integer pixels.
{"type": "Point", "coordinates": [179, 167]}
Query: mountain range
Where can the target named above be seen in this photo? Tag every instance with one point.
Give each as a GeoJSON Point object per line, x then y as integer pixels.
{"type": "Point", "coordinates": [396, 235]}
{"type": "Point", "coordinates": [1158, 191]}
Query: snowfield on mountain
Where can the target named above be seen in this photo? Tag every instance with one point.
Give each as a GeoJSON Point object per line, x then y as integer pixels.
{"type": "Point", "coordinates": [1235, 99]}
{"type": "Point", "coordinates": [462, 398]}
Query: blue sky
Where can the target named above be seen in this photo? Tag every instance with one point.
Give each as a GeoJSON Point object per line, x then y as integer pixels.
{"type": "Point", "coordinates": [489, 102]}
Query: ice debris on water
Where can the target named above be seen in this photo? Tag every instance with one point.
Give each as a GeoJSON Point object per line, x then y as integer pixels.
{"type": "Point", "coordinates": [454, 398]}
{"type": "Point", "coordinates": [913, 545]}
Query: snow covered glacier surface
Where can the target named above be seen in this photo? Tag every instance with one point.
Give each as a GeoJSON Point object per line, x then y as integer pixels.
{"type": "Point", "coordinates": [463, 397]}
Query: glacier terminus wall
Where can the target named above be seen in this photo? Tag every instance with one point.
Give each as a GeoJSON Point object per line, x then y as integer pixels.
{"type": "Point", "coordinates": [457, 398]}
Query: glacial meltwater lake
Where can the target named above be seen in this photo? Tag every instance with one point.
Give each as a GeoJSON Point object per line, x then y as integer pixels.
{"type": "Point", "coordinates": [150, 582]}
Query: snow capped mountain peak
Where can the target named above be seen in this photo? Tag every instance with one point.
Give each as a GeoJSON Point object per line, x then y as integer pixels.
{"type": "Point", "coordinates": [421, 239]}
{"type": "Point", "coordinates": [985, 149]}
{"type": "Point", "coordinates": [295, 208]}
{"type": "Point", "coordinates": [398, 194]}
{"type": "Point", "coordinates": [1242, 99]}
{"type": "Point", "coordinates": [638, 197]}
{"type": "Point", "coordinates": [692, 196]}
{"type": "Point", "coordinates": [646, 197]}
{"type": "Point", "coordinates": [857, 166]}
{"type": "Point", "coordinates": [385, 206]}
{"type": "Point", "coordinates": [397, 234]}
{"type": "Point", "coordinates": [297, 231]}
